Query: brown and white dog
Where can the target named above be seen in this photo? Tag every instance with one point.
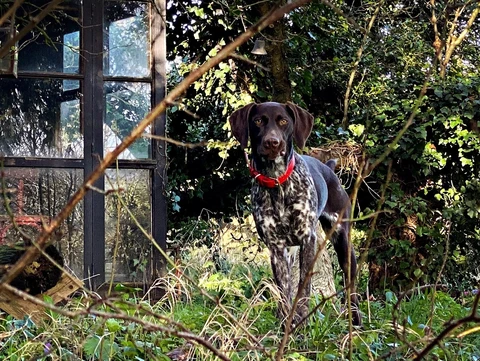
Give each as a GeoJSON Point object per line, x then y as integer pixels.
{"type": "Point", "coordinates": [291, 192]}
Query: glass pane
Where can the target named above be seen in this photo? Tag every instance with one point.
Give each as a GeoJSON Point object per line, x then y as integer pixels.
{"type": "Point", "coordinates": [40, 118]}
{"type": "Point", "coordinates": [8, 64]}
{"type": "Point", "coordinates": [127, 212]}
{"type": "Point", "coordinates": [126, 105]}
{"type": "Point", "coordinates": [53, 46]}
{"type": "Point", "coordinates": [33, 196]}
{"type": "Point", "coordinates": [126, 39]}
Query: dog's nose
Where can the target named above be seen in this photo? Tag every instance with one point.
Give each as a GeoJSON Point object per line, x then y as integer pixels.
{"type": "Point", "coordinates": [272, 143]}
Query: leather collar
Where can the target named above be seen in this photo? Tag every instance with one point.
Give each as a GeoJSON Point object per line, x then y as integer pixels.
{"type": "Point", "coordinates": [270, 182]}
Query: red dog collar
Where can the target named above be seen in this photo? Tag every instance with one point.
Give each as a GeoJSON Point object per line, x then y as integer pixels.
{"type": "Point", "coordinates": [269, 182]}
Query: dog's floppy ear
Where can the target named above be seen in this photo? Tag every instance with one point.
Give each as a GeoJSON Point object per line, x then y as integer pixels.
{"type": "Point", "coordinates": [239, 124]}
{"type": "Point", "coordinates": [303, 124]}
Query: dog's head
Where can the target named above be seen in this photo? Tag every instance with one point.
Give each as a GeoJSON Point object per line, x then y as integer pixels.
{"type": "Point", "coordinates": [271, 127]}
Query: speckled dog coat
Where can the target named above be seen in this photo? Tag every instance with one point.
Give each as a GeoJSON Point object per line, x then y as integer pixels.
{"type": "Point", "coordinates": [291, 192]}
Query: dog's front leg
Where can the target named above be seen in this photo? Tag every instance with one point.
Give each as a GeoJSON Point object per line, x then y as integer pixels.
{"type": "Point", "coordinates": [281, 274]}
{"type": "Point", "coordinates": [307, 258]}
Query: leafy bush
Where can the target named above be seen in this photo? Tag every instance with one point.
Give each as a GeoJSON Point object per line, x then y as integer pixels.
{"type": "Point", "coordinates": [430, 203]}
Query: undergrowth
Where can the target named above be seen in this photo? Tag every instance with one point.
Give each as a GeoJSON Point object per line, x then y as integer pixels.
{"type": "Point", "coordinates": [236, 315]}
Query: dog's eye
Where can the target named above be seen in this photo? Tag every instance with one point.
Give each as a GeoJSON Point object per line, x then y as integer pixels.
{"type": "Point", "coordinates": [283, 122]}
{"type": "Point", "coordinates": [258, 121]}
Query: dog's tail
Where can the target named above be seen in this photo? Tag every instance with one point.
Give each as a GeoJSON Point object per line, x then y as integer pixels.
{"type": "Point", "coordinates": [332, 164]}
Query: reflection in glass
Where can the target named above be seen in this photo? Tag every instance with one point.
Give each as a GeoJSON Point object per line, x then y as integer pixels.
{"type": "Point", "coordinates": [128, 250]}
{"type": "Point", "coordinates": [40, 118]}
{"type": "Point", "coordinates": [52, 46]}
{"type": "Point", "coordinates": [8, 64]}
{"type": "Point", "coordinates": [71, 45]}
{"type": "Point", "coordinates": [34, 196]}
{"type": "Point", "coordinates": [126, 39]}
{"type": "Point", "coordinates": [126, 105]}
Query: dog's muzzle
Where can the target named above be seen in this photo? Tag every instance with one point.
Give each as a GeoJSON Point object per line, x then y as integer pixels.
{"type": "Point", "coordinates": [272, 148]}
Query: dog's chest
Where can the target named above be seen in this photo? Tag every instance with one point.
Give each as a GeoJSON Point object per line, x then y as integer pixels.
{"type": "Point", "coordinates": [286, 215]}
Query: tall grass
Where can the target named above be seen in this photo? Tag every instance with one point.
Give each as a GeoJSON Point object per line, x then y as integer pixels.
{"type": "Point", "coordinates": [186, 324]}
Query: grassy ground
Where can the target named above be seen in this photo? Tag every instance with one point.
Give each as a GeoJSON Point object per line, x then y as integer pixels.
{"type": "Point", "coordinates": [228, 311]}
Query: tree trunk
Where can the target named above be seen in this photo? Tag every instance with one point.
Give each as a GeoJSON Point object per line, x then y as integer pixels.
{"type": "Point", "coordinates": [275, 47]}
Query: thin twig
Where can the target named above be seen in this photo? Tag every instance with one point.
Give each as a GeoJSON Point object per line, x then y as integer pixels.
{"type": "Point", "coordinates": [349, 283]}
{"type": "Point", "coordinates": [11, 10]}
{"type": "Point", "coordinates": [444, 263]}
{"type": "Point", "coordinates": [27, 28]}
{"type": "Point", "coordinates": [357, 62]}
{"type": "Point", "coordinates": [194, 284]}
{"type": "Point", "coordinates": [249, 61]}
{"type": "Point", "coordinates": [381, 201]}
{"type": "Point", "coordinates": [175, 142]}
{"type": "Point", "coordinates": [409, 121]}
{"type": "Point", "coordinates": [450, 328]}
{"type": "Point", "coordinates": [339, 12]}
{"type": "Point", "coordinates": [90, 311]}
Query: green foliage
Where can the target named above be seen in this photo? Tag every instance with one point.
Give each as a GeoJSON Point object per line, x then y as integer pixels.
{"type": "Point", "coordinates": [431, 203]}
{"type": "Point", "coordinates": [432, 197]}
{"type": "Point", "coordinates": [244, 291]}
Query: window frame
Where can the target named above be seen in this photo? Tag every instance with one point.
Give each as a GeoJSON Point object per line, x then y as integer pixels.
{"type": "Point", "coordinates": [92, 116]}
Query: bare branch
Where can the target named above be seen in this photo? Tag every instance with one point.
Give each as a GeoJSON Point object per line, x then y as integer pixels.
{"type": "Point", "coordinates": [11, 11]}
{"type": "Point", "coordinates": [453, 42]}
{"type": "Point", "coordinates": [175, 142]}
{"type": "Point", "coordinates": [249, 61]}
{"type": "Point", "coordinates": [350, 20]}
{"type": "Point", "coordinates": [27, 28]}
{"type": "Point", "coordinates": [451, 327]}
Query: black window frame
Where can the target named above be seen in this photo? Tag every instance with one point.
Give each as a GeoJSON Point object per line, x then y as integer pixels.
{"type": "Point", "coordinates": [92, 113]}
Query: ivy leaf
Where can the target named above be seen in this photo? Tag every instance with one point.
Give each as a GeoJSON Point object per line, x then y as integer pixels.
{"type": "Point", "coordinates": [417, 272]}
{"type": "Point", "coordinates": [199, 12]}
{"type": "Point", "coordinates": [91, 345]}
{"type": "Point", "coordinates": [356, 129]}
